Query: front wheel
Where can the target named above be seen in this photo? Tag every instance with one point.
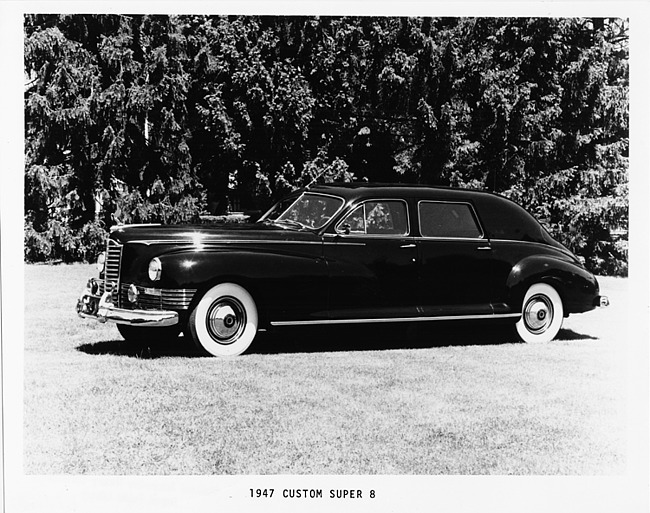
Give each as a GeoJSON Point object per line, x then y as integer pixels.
{"type": "Point", "coordinates": [541, 314]}
{"type": "Point", "coordinates": [224, 322]}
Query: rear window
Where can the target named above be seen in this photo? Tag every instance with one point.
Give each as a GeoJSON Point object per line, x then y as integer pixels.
{"type": "Point", "coordinates": [455, 220]}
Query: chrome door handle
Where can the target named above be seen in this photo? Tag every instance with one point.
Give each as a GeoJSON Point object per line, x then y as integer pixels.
{"type": "Point", "coordinates": [408, 246]}
{"type": "Point", "coordinates": [484, 248]}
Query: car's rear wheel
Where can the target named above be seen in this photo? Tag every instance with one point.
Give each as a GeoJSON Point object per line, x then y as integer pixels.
{"type": "Point", "coordinates": [541, 314]}
{"type": "Point", "coordinates": [224, 322]}
{"type": "Point", "coordinates": [149, 334]}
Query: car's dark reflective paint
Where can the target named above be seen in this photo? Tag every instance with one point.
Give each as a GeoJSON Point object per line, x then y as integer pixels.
{"type": "Point", "coordinates": [353, 253]}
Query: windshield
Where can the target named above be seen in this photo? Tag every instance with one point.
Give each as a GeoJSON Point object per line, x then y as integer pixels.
{"type": "Point", "coordinates": [310, 210]}
{"type": "Point", "coordinates": [276, 210]}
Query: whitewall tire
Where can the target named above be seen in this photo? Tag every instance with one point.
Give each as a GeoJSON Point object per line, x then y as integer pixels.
{"type": "Point", "coordinates": [542, 314]}
{"type": "Point", "coordinates": [224, 322]}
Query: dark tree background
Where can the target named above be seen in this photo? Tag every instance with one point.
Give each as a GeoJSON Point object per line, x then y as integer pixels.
{"type": "Point", "coordinates": [162, 118]}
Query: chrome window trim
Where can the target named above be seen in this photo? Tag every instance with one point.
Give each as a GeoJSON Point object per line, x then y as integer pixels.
{"type": "Point", "coordinates": [376, 235]}
{"type": "Point", "coordinates": [472, 210]}
{"type": "Point", "coordinates": [316, 228]}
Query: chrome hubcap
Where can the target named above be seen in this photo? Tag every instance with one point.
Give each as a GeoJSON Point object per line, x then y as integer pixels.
{"type": "Point", "coordinates": [226, 320]}
{"type": "Point", "coordinates": [538, 313]}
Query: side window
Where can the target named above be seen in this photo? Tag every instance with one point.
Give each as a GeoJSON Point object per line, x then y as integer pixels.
{"type": "Point", "coordinates": [448, 220]}
{"type": "Point", "coordinates": [383, 217]}
{"type": "Point", "coordinates": [356, 220]}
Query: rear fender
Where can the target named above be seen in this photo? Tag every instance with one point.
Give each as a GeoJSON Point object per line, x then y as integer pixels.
{"type": "Point", "coordinates": [576, 286]}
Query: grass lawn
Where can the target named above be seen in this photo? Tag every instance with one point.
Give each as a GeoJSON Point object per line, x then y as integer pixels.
{"type": "Point", "coordinates": [422, 399]}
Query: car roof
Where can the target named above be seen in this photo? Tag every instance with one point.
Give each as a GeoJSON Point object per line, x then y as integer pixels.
{"type": "Point", "coordinates": [357, 190]}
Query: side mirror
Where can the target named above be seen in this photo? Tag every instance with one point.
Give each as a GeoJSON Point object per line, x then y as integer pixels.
{"type": "Point", "coordinates": [345, 229]}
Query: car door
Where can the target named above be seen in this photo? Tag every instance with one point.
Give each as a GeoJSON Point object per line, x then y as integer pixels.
{"type": "Point", "coordinates": [455, 262]}
{"type": "Point", "coordinates": [372, 263]}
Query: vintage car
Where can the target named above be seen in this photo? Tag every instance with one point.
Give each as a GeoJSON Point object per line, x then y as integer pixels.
{"type": "Point", "coordinates": [336, 254]}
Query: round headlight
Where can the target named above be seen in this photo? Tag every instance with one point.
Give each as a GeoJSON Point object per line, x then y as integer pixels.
{"type": "Point", "coordinates": [155, 269]}
{"type": "Point", "coordinates": [101, 261]}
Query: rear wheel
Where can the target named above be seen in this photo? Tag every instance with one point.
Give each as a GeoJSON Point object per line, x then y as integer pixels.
{"type": "Point", "coordinates": [541, 314]}
{"type": "Point", "coordinates": [224, 322]}
{"type": "Point", "coordinates": [149, 334]}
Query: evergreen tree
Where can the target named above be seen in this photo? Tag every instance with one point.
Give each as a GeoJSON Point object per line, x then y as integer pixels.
{"type": "Point", "coordinates": [157, 118]}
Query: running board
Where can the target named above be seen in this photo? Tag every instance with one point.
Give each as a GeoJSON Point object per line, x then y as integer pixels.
{"type": "Point", "coordinates": [398, 319]}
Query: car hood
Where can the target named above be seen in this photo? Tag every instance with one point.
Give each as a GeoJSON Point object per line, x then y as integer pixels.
{"type": "Point", "coordinates": [203, 233]}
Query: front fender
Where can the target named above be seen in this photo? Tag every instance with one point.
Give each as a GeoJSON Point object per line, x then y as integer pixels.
{"type": "Point", "coordinates": [576, 286]}
{"type": "Point", "coordinates": [284, 285]}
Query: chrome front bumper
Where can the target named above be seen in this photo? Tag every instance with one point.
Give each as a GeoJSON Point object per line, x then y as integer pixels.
{"type": "Point", "coordinates": [93, 306]}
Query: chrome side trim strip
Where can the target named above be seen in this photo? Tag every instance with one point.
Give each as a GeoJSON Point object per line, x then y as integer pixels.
{"type": "Point", "coordinates": [218, 241]}
{"type": "Point", "coordinates": [398, 319]}
{"type": "Point", "coordinates": [511, 241]}
{"type": "Point", "coordinates": [452, 239]}
{"type": "Point", "coordinates": [213, 243]}
{"type": "Point", "coordinates": [343, 243]}
{"type": "Point", "coordinates": [540, 244]}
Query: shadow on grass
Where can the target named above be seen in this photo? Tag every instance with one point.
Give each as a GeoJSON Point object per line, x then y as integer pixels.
{"type": "Point", "coordinates": [390, 336]}
{"type": "Point", "coordinates": [337, 338]}
{"type": "Point", "coordinates": [572, 335]}
{"type": "Point", "coordinates": [181, 347]}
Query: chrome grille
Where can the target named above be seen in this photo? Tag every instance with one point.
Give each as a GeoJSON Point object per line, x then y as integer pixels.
{"type": "Point", "coordinates": [112, 269]}
{"type": "Point", "coordinates": [177, 299]}
{"type": "Point", "coordinates": [163, 299]}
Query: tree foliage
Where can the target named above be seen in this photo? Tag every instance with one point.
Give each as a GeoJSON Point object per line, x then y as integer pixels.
{"type": "Point", "coordinates": [160, 118]}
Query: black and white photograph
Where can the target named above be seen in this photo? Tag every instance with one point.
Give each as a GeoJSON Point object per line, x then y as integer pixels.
{"type": "Point", "coordinates": [310, 257]}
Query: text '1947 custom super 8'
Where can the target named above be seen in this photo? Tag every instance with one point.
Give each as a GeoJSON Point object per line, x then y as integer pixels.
{"type": "Point", "coordinates": [335, 254]}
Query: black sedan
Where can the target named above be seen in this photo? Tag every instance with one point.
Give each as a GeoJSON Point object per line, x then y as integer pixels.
{"type": "Point", "coordinates": [336, 254]}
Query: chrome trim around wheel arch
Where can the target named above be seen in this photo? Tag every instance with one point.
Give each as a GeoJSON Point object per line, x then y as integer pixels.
{"type": "Point", "coordinates": [398, 319]}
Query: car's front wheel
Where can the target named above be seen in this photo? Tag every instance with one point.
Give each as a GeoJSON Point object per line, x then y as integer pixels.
{"type": "Point", "coordinates": [541, 314]}
{"type": "Point", "coordinates": [224, 322]}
